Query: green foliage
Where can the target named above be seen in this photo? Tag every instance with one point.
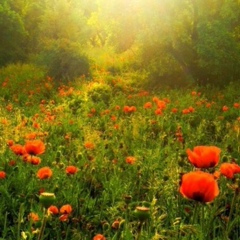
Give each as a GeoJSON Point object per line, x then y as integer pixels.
{"type": "Point", "coordinates": [13, 34]}
{"type": "Point", "coordinates": [173, 42]}
{"type": "Point", "coordinates": [107, 189]}
{"type": "Point", "coordinates": [21, 71]}
{"type": "Point", "coordinates": [63, 20]}
{"type": "Point", "coordinates": [184, 42]}
{"type": "Point", "coordinates": [100, 92]}
{"type": "Point", "coordinates": [20, 82]}
{"type": "Point", "coordinates": [64, 60]}
{"type": "Point", "coordinates": [218, 53]}
{"type": "Point", "coordinates": [76, 104]}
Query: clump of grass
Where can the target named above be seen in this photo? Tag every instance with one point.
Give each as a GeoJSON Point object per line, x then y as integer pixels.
{"type": "Point", "coordinates": [128, 163]}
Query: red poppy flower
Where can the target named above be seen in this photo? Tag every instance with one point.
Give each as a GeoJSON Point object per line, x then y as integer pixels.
{"type": "Point", "coordinates": [132, 109]}
{"type": "Point", "coordinates": [158, 111]}
{"type": "Point", "coordinates": [10, 142]}
{"type": "Point", "coordinates": [191, 109]}
{"type": "Point", "coordinates": [2, 175]}
{"type": "Point", "coordinates": [9, 107]}
{"type": "Point", "coordinates": [199, 186]}
{"type": "Point", "coordinates": [166, 100]}
{"type": "Point", "coordinates": [155, 99]}
{"type": "Point", "coordinates": [229, 169]}
{"type": "Point", "coordinates": [185, 111]}
{"type": "Point", "coordinates": [35, 147]}
{"type": "Point", "coordinates": [44, 173]}
{"type": "Point", "coordinates": [236, 105]}
{"type": "Point", "coordinates": [113, 118]}
{"type": "Point", "coordinates": [126, 109]}
{"type": "Point", "coordinates": [93, 111]}
{"type": "Point", "coordinates": [26, 157]}
{"type": "Point", "coordinates": [34, 160]}
{"type": "Point", "coordinates": [63, 217]}
{"type": "Point", "coordinates": [68, 136]}
{"type": "Point", "coordinates": [143, 93]}
{"type": "Point", "coordinates": [33, 217]}
{"type": "Point", "coordinates": [53, 210]}
{"type": "Point", "coordinates": [66, 209]}
{"type": "Point", "coordinates": [90, 115]}
{"type": "Point", "coordinates": [41, 190]}
{"type": "Point", "coordinates": [225, 108]}
{"type": "Point", "coordinates": [89, 145]}
{"type": "Point", "coordinates": [36, 125]}
{"type": "Point", "coordinates": [204, 156]}
{"type": "Point", "coordinates": [217, 174]}
{"type": "Point", "coordinates": [99, 237]}
{"type": "Point", "coordinates": [117, 107]}
{"type": "Point", "coordinates": [129, 109]}
{"type": "Point", "coordinates": [12, 163]}
{"type": "Point", "coordinates": [147, 105]}
{"type": "Point", "coordinates": [130, 160]}
{"type": "Point", "coordinates": [161, 104]}
{"type": "Point", "coordinates": [71, 170]}
{"type": "Point", "coordinates": [208, 105]}
{"type": "Point", "coordinates": [18, 149]}
{"type": "Point", "coordinates": [105, 112]}
{"type": "Point", "coordinates": [31, 136]}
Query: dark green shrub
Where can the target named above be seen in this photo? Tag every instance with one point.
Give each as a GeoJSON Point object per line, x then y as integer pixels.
{"type": "Point", "coordinates": [64, 60]}
{"type": "Point", "coordinates": [13, 34]}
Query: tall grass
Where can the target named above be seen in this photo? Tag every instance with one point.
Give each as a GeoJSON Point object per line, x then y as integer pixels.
{"type": "Point", "coordinates": [126, 161]}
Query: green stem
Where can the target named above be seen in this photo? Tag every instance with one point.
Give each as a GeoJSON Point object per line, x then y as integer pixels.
{"type": "Point", "coordinates": [139, 230]}
{"type": "Point", "coordinates": [231, 212]}
{"type": "Point", "coordinates": [202, 218]}
{"type": "Point", "coordinates": [195, 216]}
{"type": "Point", "coordinates": [41, 233]}
{"type": "Point", "coordinates": [5, 226]}
{"type": "Point", "coordinates": [20, 214]}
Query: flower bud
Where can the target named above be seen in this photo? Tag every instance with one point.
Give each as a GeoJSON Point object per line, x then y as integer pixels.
{"type": "Point", "coordinates": [47, 199]}
{"type": "Point", "coordinates": [142, 213]}
{"type": "Point", "coordinates": [127, 199]}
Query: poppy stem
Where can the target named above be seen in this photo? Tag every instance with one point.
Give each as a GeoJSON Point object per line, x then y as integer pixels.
{"type": "Point", "coordinates": [228, 229]}
{"type": "Point", "coordinates": [20, 215]}
{"type": "Point", "coordinates": [193, 220]}
{"type": "Point", "coordinates": [139, 230]}
{"type": "Point", "coordinates": [40, 236]}
{"type": "Point", "coordinates": [195, 214]}
{"type": "Point", "coordinates": [203, 218]}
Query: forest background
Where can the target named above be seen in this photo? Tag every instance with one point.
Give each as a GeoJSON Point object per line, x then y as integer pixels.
{"type": "Point", "coordinates": [173, 42]}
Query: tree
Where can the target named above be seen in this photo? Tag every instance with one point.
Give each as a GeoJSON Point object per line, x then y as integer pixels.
{"type": "Point", "coordinates": [13, 35]}
{"type": "Point", "coordinates": [216, 44]}
{"type": "Point", "coordinates": [192, 39]}
{"type": "Point", "coordinates": [62, 39]}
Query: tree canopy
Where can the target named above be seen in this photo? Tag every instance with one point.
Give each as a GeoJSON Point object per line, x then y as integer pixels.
{"type": "Point", "coordinates": [172, 40]}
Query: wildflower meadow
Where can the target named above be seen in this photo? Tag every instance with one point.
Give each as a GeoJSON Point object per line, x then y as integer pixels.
{"type": "Point", "coordinates": [106, 159]}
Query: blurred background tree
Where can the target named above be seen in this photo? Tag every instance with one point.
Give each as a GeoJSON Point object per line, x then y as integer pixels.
{"type": "Point", "coordinates": [13, 35]}
{"type": "Point", "coordinates": [63, 36]}
{"type": "Point", "coordinates": [174, 41]}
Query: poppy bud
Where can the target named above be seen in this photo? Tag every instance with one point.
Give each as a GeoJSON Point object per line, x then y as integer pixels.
{"type": "Point", "coordinates": [142, 213]}
{"type": "Point", "coordinates": [127, 199]}
{"type": "Point", "coordinates": [47, 199]}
